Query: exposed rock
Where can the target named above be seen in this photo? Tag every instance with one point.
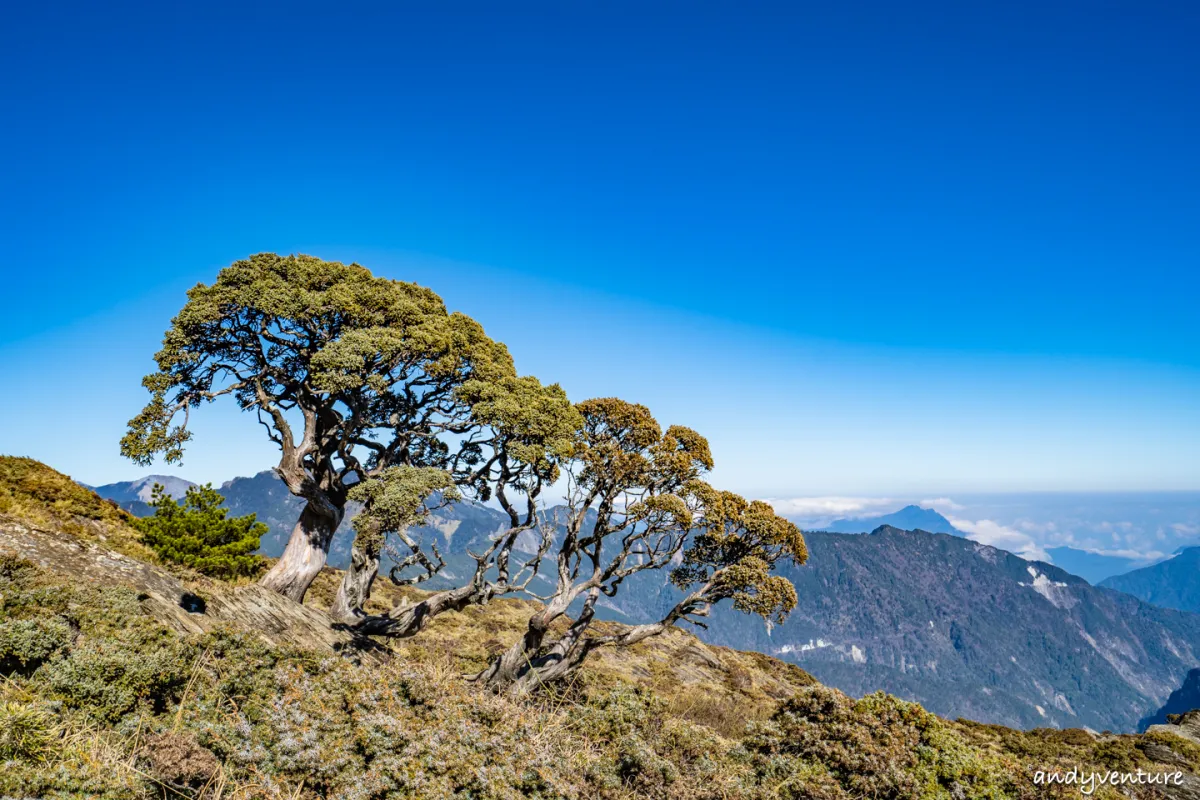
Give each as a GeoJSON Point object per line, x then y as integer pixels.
{"type": "Point", "coordinates": [276, 619]}
{"type": "Point", "coordinates": [1185, 726]}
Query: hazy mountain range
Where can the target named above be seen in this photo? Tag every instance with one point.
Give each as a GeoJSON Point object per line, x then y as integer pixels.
{"type": "Point", "coordinates": [908, 518]}
{"type": "Point", "coordinates": [1091, 566]}
{"type": "Point", "coordinates": [1174, 583]}
{"type": "Point", "coordinates": [964, 628]}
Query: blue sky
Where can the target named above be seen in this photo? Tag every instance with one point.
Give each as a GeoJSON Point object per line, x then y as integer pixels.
{"type": "Point", "coordinates": [868, 249]}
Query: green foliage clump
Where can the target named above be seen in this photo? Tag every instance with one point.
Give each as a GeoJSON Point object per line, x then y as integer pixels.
{"type": "Point", "coordinates": [110, 678]}
{"type": "Point", "coordinates": [822, 744]}
{"type": "Point", "coordinates": [26, 731]}
{"type": "Point", "coordinates": [631, 719]}
{"type": "Point", "coordinates": [91, 647]}
{"type": "Point", "coordinates": [26, 643]}
{"type": "Point", "coordinates": [200, 534]}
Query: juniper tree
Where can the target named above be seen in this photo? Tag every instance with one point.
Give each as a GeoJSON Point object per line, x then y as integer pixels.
{"type": "Point", "coordinates": [349, 375]}
{"type": "Point", "coordinates": [650, 508]}
{"type": "Point", "coordinates": [523, 430]}
{"type": "Point", "coordinates": [199, 533]}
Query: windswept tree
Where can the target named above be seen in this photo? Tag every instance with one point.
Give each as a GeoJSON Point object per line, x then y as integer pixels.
{"type": "Point", "coordinates": [734, 547]}
{"type": "Point", "coordinates": [522, 432]}
{"type": "Point", "coordinates": [349, 374]}
{"type": "Point", "coordinates": [635, 502]}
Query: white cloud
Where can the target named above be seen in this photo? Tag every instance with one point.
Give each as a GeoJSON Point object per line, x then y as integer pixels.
{"type": "Point", "coordinates": [985, 531]}
{"type": "Point", "coordinates": [1044, 528]}
{"type": "Point", "coordinates": [942, 502]}
{"type": "Point", "coordinates": [827, 506]}
{"type": "Point", "coordinates": [1132, 555]}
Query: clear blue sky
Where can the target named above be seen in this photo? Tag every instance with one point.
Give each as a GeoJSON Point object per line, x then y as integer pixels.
{"type": "Point", "coordinates": [865, 247]}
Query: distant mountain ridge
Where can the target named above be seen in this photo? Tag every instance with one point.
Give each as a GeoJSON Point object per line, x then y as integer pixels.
{"type": "Point", "coordinates": [142, 488]}
{"type": "Point", "coordinates": [1174, 583]}
{"type": "Point", "coordinates": [972, 631]}
{"type": "Point", "coordinates": [134, 496]}
{"type": "Point", "coordinates": [1092, 567]}
{"type": "Point", "coordinates": [909, 518]}
{"type": "Point", "coordinates": [963, 628]}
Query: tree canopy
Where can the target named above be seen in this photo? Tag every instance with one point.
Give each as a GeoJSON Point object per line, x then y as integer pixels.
{"type": "Point", "coordinates": [372, 391]}
{"type": "Point", "coordinates": [349, 375]}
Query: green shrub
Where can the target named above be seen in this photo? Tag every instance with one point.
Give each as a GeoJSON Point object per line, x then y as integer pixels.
{"type": "Point", "coordinates": [26, 643]}
{"type": "Point", "coordinates": [200, 534]}
{"type": "Point", "coordinates": [26, 731]}
{"type": "Point", "coordinates": [879, 747]}
{"type": "Point", "coordinates": [110, 678]}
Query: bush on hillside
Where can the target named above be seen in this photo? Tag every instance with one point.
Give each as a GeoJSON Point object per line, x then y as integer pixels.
{"type": "Point", "coordinates": [131, 709]}
{"type": "Point", "coordinates": [199, 534]}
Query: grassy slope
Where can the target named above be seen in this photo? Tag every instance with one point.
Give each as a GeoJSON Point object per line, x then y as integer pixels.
{"type": "Point", "coordinates": [34, 493]}
{"type": "Point", "coordinates": [100, 699]}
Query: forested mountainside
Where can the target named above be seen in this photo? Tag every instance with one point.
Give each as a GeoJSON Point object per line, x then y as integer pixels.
{"type": "Point", "coordinates": [1174, 583]}
{"type": "Point", "coordinates": [1185, 698]}
{"type": "Point", "coordinates": [962, 628]}
{"type": "Point", "coordinates": [969, 630]}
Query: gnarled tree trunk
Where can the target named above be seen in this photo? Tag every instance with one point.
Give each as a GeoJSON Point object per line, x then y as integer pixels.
{"type": "Point", "coordinates": [356, 583]}
{"type": "Point", "coordinates": [519, 668]}
{"type": "Point", "coordinates": [530, 662]}
{"type": "Point", "coordinates": [411, 619]}
{"type": "Point", "coordinates": [510, 665]}
{"type": "Point", "coordinates": [305, 554]}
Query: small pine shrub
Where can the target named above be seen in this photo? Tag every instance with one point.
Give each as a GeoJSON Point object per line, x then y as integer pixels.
{"type": "Point", "coordinates": [199, 534]}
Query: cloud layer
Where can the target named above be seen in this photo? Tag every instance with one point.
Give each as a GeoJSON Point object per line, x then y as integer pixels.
{"type": "Point", "coordinates": [985, 531]}
{"type": "Point", "coordinates": [805, 507]}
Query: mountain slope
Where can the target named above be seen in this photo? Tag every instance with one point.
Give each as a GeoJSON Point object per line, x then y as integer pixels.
{"type": "Point", "coordinates": [1184, 699]}
{"type": "Point", "coordinates": [1174, 583]}
{"type": "Point", "coordinates": [908, 518]}
{"type": "Point", "coordinates": [968, 630]}
{"type": "Point", "coordinates": [114, 690]}
{"type": "Point", "coordinates": [965, 629]}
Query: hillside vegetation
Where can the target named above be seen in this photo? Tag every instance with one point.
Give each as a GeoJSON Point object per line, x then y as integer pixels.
{"type": "Point", "coordinates": [112, 689]}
